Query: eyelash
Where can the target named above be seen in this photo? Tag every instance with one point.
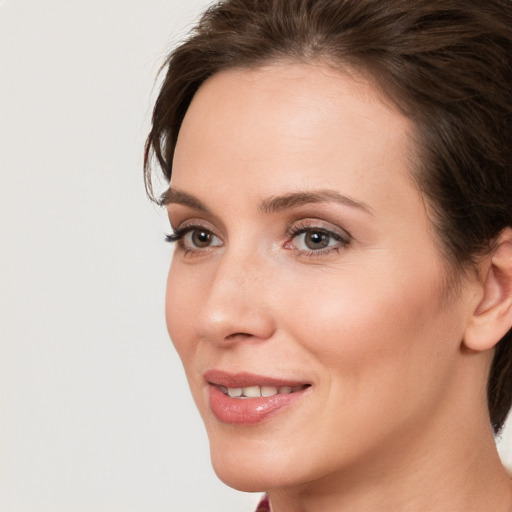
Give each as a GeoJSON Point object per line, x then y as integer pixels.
{"type": "Point", "coordinates": [179, 234]}
{"type": "Point", "coordinates": [343, 240]}
{"type": "Point", "coordinates": [299, 229]}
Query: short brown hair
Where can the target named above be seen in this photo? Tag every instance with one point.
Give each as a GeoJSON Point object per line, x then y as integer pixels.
{"type": "Point", "coordinates": [446, 64]}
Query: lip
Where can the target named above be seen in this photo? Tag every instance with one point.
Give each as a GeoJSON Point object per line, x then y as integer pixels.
{"type": "Point", "coordinates": [243, 379]}
{"type": "Point", "coordinates": [249, 411]}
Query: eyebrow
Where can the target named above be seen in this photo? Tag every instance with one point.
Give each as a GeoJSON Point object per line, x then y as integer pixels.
{"type": "Point", "coordinates": [174, 196]}
{"type": "Point", "coordinates": [272, 204]}
{"type": "Point", "coordinates": [296, 199]}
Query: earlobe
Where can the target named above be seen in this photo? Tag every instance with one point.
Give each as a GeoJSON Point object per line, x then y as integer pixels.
{"type": "Point", "coordinates": [492, 318]}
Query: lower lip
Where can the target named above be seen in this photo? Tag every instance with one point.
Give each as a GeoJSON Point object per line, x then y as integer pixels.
{"type": "Point", "coordinates": [249, 411]}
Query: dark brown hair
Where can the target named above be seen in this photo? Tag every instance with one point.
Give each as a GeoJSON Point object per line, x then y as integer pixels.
{"type": "Point", "coordinates": [446, 64]}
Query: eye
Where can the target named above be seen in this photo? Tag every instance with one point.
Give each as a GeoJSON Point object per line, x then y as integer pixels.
{"type": "Point", "coordinates": [194, 238]}
{"type": "Point", "coordinates": [316, 240]}
{"type": "Point", "coordinates": [199, 238]}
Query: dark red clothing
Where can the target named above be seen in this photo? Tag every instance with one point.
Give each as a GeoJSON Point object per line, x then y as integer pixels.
{"type": "Point", "coordinates": [264, 505]}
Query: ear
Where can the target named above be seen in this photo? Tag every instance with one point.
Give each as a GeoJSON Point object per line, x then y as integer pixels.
{"type": "Point", "coordinates": [492, 318]}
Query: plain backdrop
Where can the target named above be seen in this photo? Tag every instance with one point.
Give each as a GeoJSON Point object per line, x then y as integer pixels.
{"type": "Point", "coordinates": [95, 413]}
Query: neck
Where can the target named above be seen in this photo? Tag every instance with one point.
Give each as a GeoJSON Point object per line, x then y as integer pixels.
{"type": "Point", "coordinates": [454, 468]}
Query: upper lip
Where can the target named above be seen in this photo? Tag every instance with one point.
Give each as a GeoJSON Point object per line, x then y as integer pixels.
{"type": "Point", "coordinates": [243, 379]}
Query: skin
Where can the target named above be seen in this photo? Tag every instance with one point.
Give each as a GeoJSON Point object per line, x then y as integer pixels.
{"type": "Point", "coordinates": [395, 418]}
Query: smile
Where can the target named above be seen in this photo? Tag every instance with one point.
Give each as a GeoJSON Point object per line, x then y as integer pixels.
{"type": "Point", "coordinates": [260, 391]}
{"type": "Point", "coordinates": [247, 399]}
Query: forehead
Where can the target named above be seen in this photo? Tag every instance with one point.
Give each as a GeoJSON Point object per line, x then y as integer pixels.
{"type": "Point", "coordinates": [292, 125]}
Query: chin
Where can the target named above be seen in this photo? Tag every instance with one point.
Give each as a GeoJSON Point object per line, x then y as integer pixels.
{"type": "Point", "coordinates": [255, 465]}
{"type": "Point", "coordinates": [243, 466]}
{"type": "Point", "coordinates": [248, 465]}
{"type": "Point", "coordinates": [242, 480]}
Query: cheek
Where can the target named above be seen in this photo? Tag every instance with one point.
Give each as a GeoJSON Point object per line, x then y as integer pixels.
{"type": "Point", "coordinates": [381, 350]}
{"type": "Point", "coordinates": [378, 326]}
{"type": "Point", "coordinates": [180, 312]}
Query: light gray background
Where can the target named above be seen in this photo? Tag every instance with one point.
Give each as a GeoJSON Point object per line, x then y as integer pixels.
{"type": "Point", "coordinates": [95, 414]}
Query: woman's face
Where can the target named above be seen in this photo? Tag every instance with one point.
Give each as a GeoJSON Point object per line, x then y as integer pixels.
{"type": "Point", "coordinates": [306, 266]}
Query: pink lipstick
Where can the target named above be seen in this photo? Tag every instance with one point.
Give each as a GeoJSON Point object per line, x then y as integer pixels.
{"type": "Point", "coordinates": [246, 399]}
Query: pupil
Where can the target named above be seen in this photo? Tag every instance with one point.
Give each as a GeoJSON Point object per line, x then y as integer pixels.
{"type": "Point", "coordinates": [201, 238]}
{"type": "Point", "coordinates": [317, 240]}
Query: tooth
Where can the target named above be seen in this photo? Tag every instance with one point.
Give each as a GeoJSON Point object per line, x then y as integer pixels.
{"type": "Point", "coordinates": [268, 391]}
{"type": "Point", "coordinates": [251, 391]}
{"type": "Point", "coordinates": [297, 388]}
{"type": "Point", "coordinates": [284, 390]}
{"type": "Point", "coordinates": [234, 392]}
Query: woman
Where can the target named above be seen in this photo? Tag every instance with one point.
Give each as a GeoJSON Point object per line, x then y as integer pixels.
{"type": "Point", "coordinates": [341, 288]}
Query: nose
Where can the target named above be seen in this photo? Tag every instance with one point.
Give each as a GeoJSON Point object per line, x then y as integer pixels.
{"type": "Point", "coordinates": [237, 305]}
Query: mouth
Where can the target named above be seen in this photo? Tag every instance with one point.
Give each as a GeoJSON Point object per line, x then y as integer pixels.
{"type": "Point", "coordinates": [246, 399]}
{"type": "Point", "coordinates": [261, 391]}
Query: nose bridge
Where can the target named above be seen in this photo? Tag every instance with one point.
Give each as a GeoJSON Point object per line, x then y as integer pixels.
{"type": "Point", "coordinates": [236, 302]}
